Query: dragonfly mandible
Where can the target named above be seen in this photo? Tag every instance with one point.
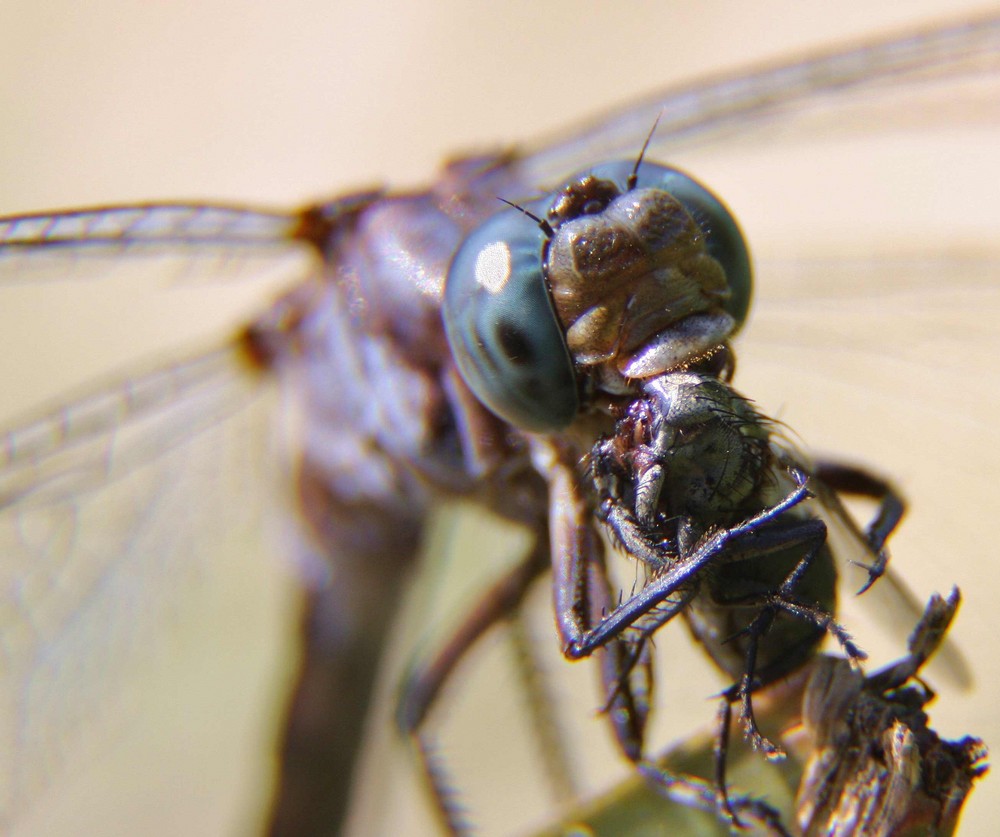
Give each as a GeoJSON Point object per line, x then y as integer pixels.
{"type": "Point", "coordinates": [517, 177]}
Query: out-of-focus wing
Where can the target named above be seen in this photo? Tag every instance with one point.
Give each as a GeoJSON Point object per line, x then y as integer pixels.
{"type": "Point", "coordinates": [147, 225]}
{"type": "Point", "coordinates": [732, 107]}
{"type": "Point", "coordinates": [116, 514]}
{"type": "Point", "coordinates": [192, 241]}
{"type": "Point", "coordinates": [799, 104]}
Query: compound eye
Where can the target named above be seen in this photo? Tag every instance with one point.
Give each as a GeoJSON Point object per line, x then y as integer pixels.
{"type": "Point", "coordinates": [723, 238]}
{"type": "Point", "coordinates": [502, 328]}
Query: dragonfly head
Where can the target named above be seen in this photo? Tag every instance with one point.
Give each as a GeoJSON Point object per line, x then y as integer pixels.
{"type": "Point", "coordinates": [619, 277]}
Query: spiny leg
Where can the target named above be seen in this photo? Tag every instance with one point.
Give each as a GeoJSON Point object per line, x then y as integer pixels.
{"type": "Point", "coordinates": [782, 600]}
{"type": "Point", "coordinates": [753, 810]}
{"type": "Point", "coordinates": [698, 793]}
{"type": "Point", "coordinates": [550, 743]}
{"type": "Point", "coordinates": [811, 534]}
{"type": "Point", "coordinates": [771, 535]}
{"type": "Point", "coordinates": [582, 595]}
{"type": "Point", "coordinates": [424, 683]}
{"type": "Point", "coordinates": [770, 605]}
{"type": "Point", "coordinates": [721, 545]}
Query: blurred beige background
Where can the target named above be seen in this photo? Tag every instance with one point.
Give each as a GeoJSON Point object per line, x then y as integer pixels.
{"type": "Point", "coordinates": [282, 103]}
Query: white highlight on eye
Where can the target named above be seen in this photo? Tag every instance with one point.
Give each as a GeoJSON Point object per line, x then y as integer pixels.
{"type": "Point", "coordinates": [493, 266]}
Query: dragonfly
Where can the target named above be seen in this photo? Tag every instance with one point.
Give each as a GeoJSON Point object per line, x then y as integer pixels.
{"type": "Point", "coordinates": [483, 180]}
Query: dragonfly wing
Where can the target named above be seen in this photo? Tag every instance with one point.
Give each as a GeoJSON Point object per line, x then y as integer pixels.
{"type": "Point", "coordinates": [732, 106]}
{"type": "Point", "coordinates": [119, 514]}
{"type": "Point", "coordinates": [198, 239]}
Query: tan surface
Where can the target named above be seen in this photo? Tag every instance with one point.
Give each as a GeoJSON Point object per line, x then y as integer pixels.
{"type": "Point", "coordinates": [280, 103]}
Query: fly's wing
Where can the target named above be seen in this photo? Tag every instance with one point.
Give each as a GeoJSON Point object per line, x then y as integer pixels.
{"type": "Point", "coordinates": [125, 509]}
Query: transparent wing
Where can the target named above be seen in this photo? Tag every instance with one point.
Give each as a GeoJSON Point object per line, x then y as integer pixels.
{"type": "Point", "coordinates": [729, 107]}
{"type": "Point", "coordinates": [116, 514]}
{"type": "Point", "coordinates": [131, 510]}
{"type": "Point", "coordinates": [123, 228]}
{"type": "Point", "coordinates": [193, 241]}
{"type": "Point", "coordinates": [85, 444]}
{"type": "Point", "coordinates": [121, 505]}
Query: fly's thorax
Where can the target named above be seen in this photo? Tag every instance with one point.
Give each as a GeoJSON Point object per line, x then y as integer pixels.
{"type": "Point", "coordinates": [715, 448]}
{"type": "Point", "coordinates": [619, 277]}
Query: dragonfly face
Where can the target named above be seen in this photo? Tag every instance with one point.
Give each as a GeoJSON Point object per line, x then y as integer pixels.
{"type": "Point", "coordinates": [857, 438]}
{"type": "Point", "coordinates": [595, 294]}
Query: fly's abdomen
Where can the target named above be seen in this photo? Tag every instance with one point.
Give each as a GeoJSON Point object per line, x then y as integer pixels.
{"type": "Point", "coordinates": [718, 619]}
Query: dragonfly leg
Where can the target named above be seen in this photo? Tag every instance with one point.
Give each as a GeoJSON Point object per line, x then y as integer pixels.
{"type": "Point", "coordinates": [582, 595]}
{"type": "Point", "coordinates": [626, 668]}
{"type": "Point", "coordinates": [694, 792]}
{"type": "Point", "coordinates": [851, 479]}
{"type": "Point", "coordinates": [423, 684]}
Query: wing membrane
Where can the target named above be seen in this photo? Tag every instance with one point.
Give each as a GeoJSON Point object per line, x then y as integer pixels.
{"type": "Point", "coordinates": [115, 516]}
{"type": "Point", "coordinates": [181, 242]}
{"type": "Point", "coordinates": [148, 224]}
{"type": "Point", "coordinates": [84, 537]}
{"type": "Point", "coordinates": [92, 439]}
{"type": "Point", "coordinates": [719, 107]}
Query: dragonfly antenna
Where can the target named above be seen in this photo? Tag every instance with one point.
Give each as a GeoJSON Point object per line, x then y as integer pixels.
{"type": "Point", "coordinates": [634, 177]}
{"type": "Point", "coordinates": [544, 225]}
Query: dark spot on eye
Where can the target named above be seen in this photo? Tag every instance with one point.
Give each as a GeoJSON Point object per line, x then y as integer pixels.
{"type": "Point", "coordinates": [514, 343]}
{"type": "Point", "coordinates": [534, 388]}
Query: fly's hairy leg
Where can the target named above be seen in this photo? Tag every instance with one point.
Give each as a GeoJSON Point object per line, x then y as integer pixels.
{"type": "Point", "coordinates": [573, 540]}
{"type": "Point", "coordinates": [581, 642]}
{"type": "Point", "coordinates": [811, 535]}
{"type": "Point", "coordinates": [758, 536]}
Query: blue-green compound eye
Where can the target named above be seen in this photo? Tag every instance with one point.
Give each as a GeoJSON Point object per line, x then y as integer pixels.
{"type": "Point", "coordinates": [502, 329]}
{"type": "Point", "coordinates": [499, 317]}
